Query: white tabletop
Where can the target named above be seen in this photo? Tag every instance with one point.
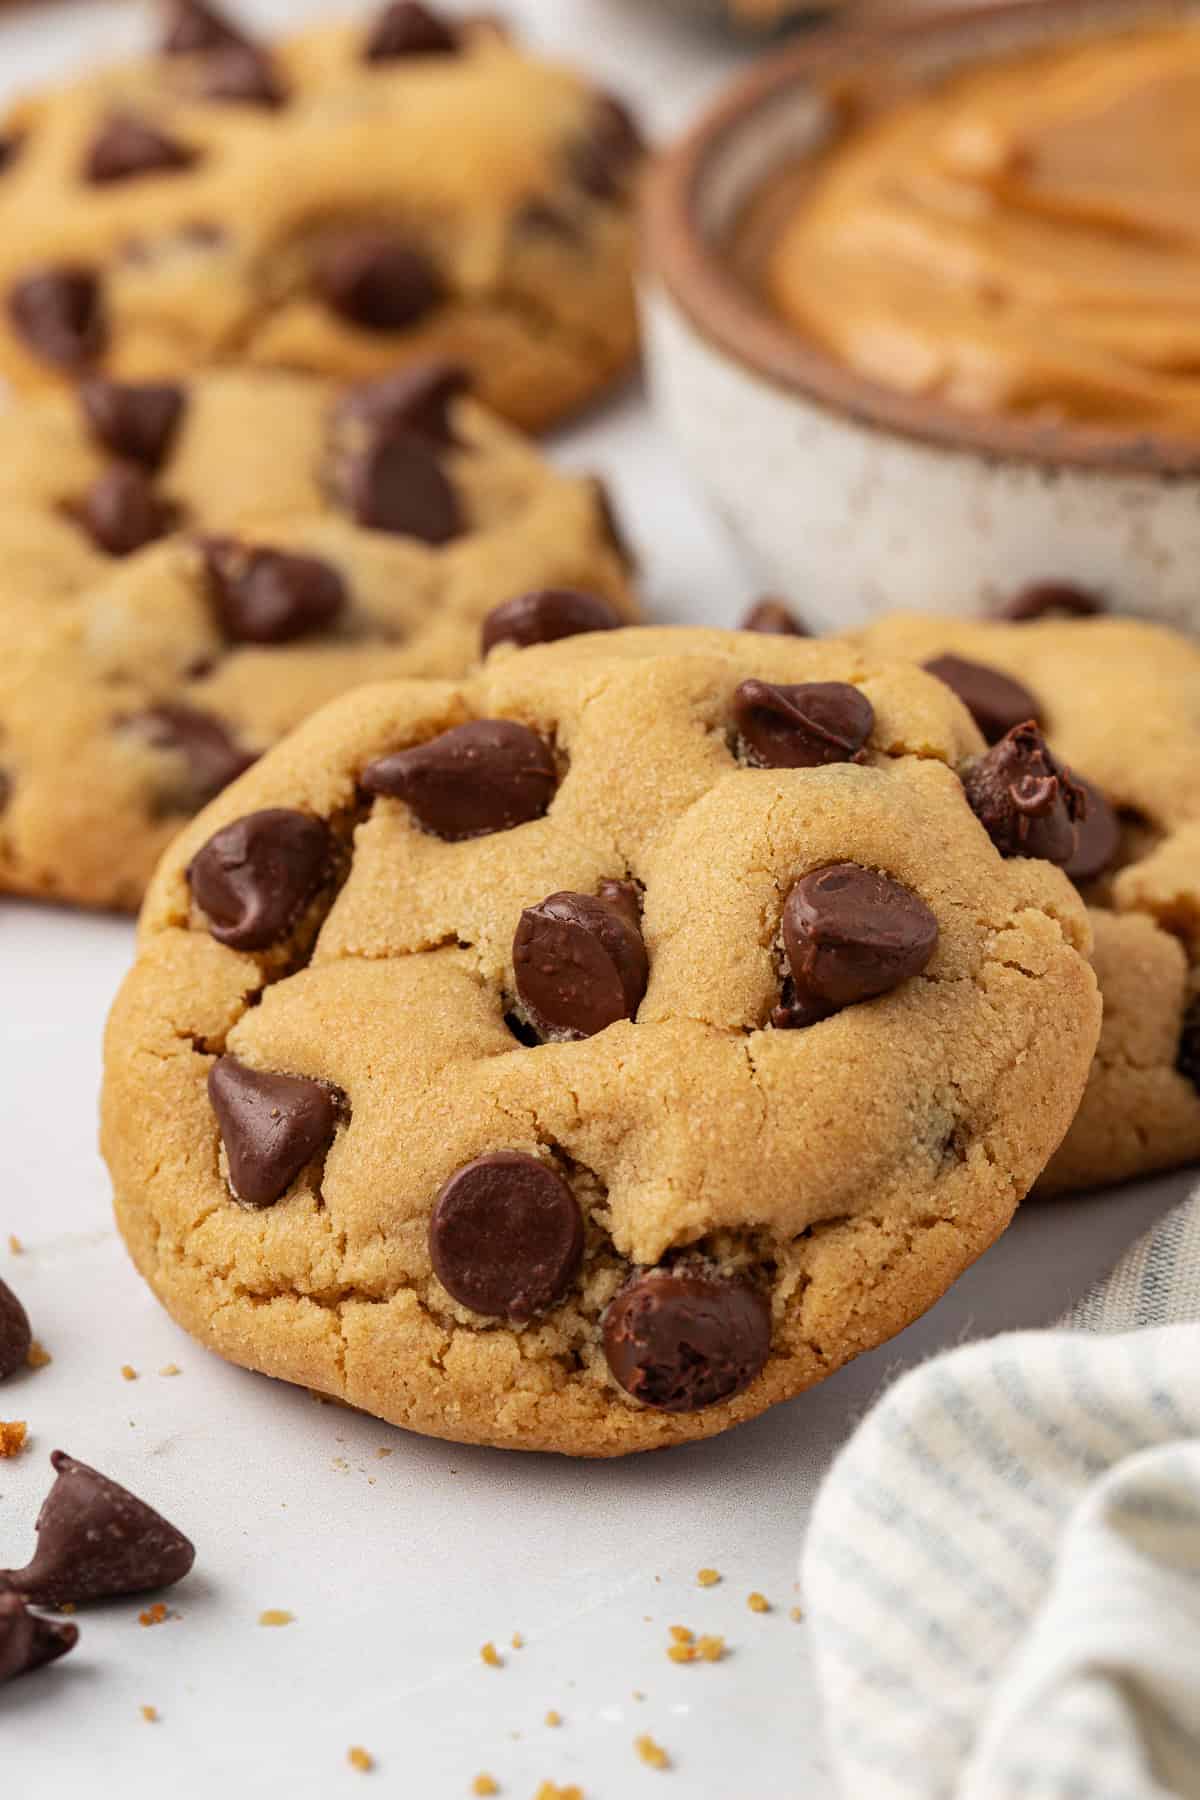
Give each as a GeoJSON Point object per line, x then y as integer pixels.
{"type": "Point", "coordinates": [399, 1568]}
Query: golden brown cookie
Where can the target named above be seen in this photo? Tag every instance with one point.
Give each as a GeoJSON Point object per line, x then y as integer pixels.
{"type": "Point", "coordinates": [1120, 702]}
{"type": "Point", "coordinates": [355, 196]}
{"type": "Point", "coordinates": [585, 1056]}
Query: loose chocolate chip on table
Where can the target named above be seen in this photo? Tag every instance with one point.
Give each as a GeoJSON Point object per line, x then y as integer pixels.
{"type": "Point", "coordinates": [1047, 599]}
{"type": "Point", "coordinates": [416, 399]}
{"type": "Point", "coordinates": [137, 421]}
{"type": "Point", "coordinates": [490, 775]}
{"type": "Point", "coordinates": [774, 619]}
{"type": "Point", "coordinates": [60, 314]}
{"type": "Point", "coordinates": [28, 1642]}
{"type": "Point", "coordinates": [1026, 801]}
{"type": "Point", "coordinates": [580, 965]}
{"type": "Point", "coordinates": [377, 280]}
{"type": "Point", "coordinates": [680, 1340]}
{"type": "Point", "coordinates": [802, 727]}
{"type": "Point", "coordinates": [240, 75]}
{"type": "Point", "coordinates": [193, 26]}
{"type": "Point", "coordinates": [254, 878]}
{"type": "Point", "coordinates": [97, 1541]}
{"type": "Point", "coordinates": [1188, 1059]}
{"type": "Point", "coordinates": [271, 596]}
{"type": "Point", "coordinates": [211, 756]}
{"type": "Point", "coordinates": [547, 615]}
{"type": "Point", "coordinates": [408, 29]}
{"type": "Point", "coordinates": [15, 1335]}
{"type": "Point", "coordinates": [506, 1236]}
{"type": "Point", "coordinates": [395, 483]}
{"type": "Point", "coordinates": [849, 934]}
{"type": "Point", "coordinates": [272, 1127]}
{"type": "Point", "coordinates": [603, 157]}
{"type": "Point", "coordinates": [126, 146]}
{"type": "Point", "coordinates": [1097, 836]}
{"type": "Point", "coordinates": [122, 513]}
{"type": "Point", "coordinates": [995, 701]}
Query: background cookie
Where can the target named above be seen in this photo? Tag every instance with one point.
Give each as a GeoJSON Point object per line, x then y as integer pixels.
{"type": "Point", "coordinates": [400, 962]}
{"type": "Point", "coordinates": [1120, 701]}
{"type": "Point", "coordinates": [134, 683]}
{"type": "Point", "coordinates": [363, 193]}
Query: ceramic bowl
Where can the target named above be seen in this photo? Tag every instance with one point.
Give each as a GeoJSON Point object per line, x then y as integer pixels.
{"type": "Point", "coordinates": [854, 499]}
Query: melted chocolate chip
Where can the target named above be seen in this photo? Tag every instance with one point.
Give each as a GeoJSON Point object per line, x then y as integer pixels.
{"type": "Point", "coordinates": [1049, 599]}
{"type": "Point", "coordinates": [802, 727]}
{"type": "Point", "coordinates": [774, 619]}
{"type": "Point", "coordinates": [378, 281]}
{"type": "Point", "coordinates": [240, 75]}
{"type": "Point", "coordinates": [15, 1335]}
{"type": "Point", "coordinates": [1097, 835]}
{"type": "Point", "coordinates": [126, 147]}
{"type": "Point", "coordinates": [603, 158]}
{"type": "Point", "coordinates": [255, 877]}
{"type": "Point", "coordinates": [28, 1642]}
{"type": "Point", "coordinates": [996, 702]}
{"type": "Point", "coordinates": [122, 513]}
{"type": "Point", "coordinates": [193, 26]}
{"type": "Point", "coordinates": [1026, 801]}
{"type": "Point", "coordinates": [60, 315]}
{"type": "Point", "coordinates": [211, 757]}
{"type": "Point", "coordinates": [850, 934]}
{"type": "Point", "coordinates": [272, 1127]}
{"type": "Point", "coordinates": [490, 775]}
{"type": "Point", "coordinates": [610, 523]}
{"type": "Point", "coordinates": [136, 421]}
{"type": "Point", "coordinates": [580, 965]}
{"type": "Point", "coordinates": [408, 29]}
{"type": "Point", "coordinates": [547, 615]}
{"type": "Point", "coordinates": [1188, 1059]}
{"type": "Point", "coordinates": [395, 483]}
{"type": "Point", "coordinates": [271, 596]}
{"type": "Point", "coordinates": [414, 400]}
{"type": "Point", "coordinates": [506, 1236]}
{"type": "Point", "coordinates": [96, 1541]}
{"type": "Point", "coordinates": [680, 1340]}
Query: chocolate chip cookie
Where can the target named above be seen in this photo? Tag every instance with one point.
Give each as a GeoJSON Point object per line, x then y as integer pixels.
{"type": "Point", "coordinates": [188, 569]}
{"type": "Point", "coordinates": [1120, 700]}
{"type": "Point", "coordinates": [355, 196]}
{"type": "Point", "coordinates": [587, 1055]}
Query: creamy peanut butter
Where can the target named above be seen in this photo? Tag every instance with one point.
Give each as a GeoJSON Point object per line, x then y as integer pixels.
{"type": "Point", "coordinates": [1024, 240]}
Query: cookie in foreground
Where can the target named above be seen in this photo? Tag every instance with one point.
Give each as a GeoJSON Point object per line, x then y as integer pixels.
{"type": "Point", "coordinates": [586, 1056]}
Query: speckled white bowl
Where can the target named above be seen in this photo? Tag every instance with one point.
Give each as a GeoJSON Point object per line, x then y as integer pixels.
{"type": "Point", "coordinates": [852, 498]}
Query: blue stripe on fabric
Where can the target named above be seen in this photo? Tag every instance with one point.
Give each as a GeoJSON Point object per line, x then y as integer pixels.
{"type": "Point", "coordinates": [900, 1605]}
{"type": "Point", "coordinates": [1128, 1429]}
{"type": "Point", "coordinates": [983, 1440]}
{"type": "Point", "coordinates": [1011, 1380]}
{"type": "Point", "coordinates": [862, 1657]}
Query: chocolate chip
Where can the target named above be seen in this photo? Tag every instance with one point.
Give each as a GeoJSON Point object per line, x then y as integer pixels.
{"type": "Point", "coordinates": [271, 596]}
{"type": "Point", "coordinates": [802, 727]}
{"type": "Point", "coordinates": [1188, 1059]}
{"type": "Point", "coordinates": [602, 159]}
{"type": "Point", "coordinates": [396, 484]}
{"type": "Point", "coordinates": [490, 775]}
{"type": "Point", "coordinates": [377, 280]}
{"type": "Point", "coordinates": [414, 400]}
{"type": "Point", "coordinates": [996, 702]}
{"type": "Point", "coordinates": [28, 1642]}
{"type": "Point", "coordinates": [850, 934]}
{"type": "Point", "coordinates": [211, 757]}
{"type": "Point", "coordinates": [506, 1236]}
{"type": "Point", "coordinates": [60, 314]}
{"type": "Point", "coordinates": [122, 513]}
{"type": "Point", "coordinates": [680, 1340]}
{"type": "Point", "coordinates": [542, 218]}
{"type": "Point", "coordinates": [272, 1127]}
{"type": "Point", "coordinates": [1026, 801]}
{"type": "Point", "coordinates": [6, 788]}
{"type": "Point", "coordinates": [610, 524]}
{"type": "Point", "coordinates": [255, 877]}
{"type": "Point", "coordinates": [240, 75]}
{"type": "Point", "coordinates": [547, 615]}
{"type": "Point", "coordinates": [773, 619]}
{"type": "Point", "coordinates": [15, 1336]}
{"type": "Point", "coordinates": [1097, 835]}
{"type": "Point", "coordinates": [1047, 599]}
{"type": "Point", "coordinates": [580, 965]}
{"type": "Point", "coordinates": [136, 421]}
{"type": "Point", "coordinates": [11, 145]}
{"type": "Point", "coordinates": [407, 29]}
{"type": "Point", "coordinates": [97, 1541]}
{"type": "Point", "coordinates": [126, 146]}
{"type": "Point", "coordinates": [193, 26]}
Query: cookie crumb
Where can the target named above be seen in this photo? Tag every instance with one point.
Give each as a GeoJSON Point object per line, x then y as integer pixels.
{"type": "Point", "coordinates": [276, 1616]}
{"type": "Point", "coordinates": [518, 1642]}
{"type": "Point", "coordinates": [652, 1754]}
{"type": "Point", "coordinates": [128, 1373]}
{"type": "Point", "coordinates": [548, 1791]}
{"type": "Point", "coordinates": [553, 1718]}
{"type": "Point", "coordinates": [796, 1614]}
{"type": "Point", "coordinates": [170, 1369]}
{"type": "Point", "coordinates": [682, 1635]}
{"type": "Point", "coordinates": [758, 1603]}
{"type": "Point", "coordinates": [16, 1247]}
{"type": "Point", "coordinates": [150, 1714]}
{"type": "Point", "coordinates": [638, 1694]}
{"type": "Point", "coordinates": [384, 1451]}
{"type": "Point", "coordinates": [492, 1656]}
{"type": "Point", "coordinates": [485, 1784]}
{"type": "Point", "coordinates": [360, 1759]}
{"type": "Point", "coordinates": [711, 1649]}
{"type": "Point", "coordinates": [708, 1577]}
{"type": "Point", "coordinates": [38, 1356]}
{"type": "Point", "coordinates": [13, 1433]}
{"type": "Point", "coordinates": [153, 1615]}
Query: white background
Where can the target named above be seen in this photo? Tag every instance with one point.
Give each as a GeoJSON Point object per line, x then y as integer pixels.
{"type": "Point", "coordinates": [399, 1568]}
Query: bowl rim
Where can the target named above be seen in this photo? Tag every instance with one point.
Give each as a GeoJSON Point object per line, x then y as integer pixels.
{"type": "Point", "coordinates": [720, 305]}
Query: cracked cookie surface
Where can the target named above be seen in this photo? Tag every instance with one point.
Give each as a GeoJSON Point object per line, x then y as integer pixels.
{"type": "Point", "coordinates": [1120, 702]}
{"type": "Point", "coordinates": [608, 1075]}
{"type": "Point", "coordinates": [357, 195]}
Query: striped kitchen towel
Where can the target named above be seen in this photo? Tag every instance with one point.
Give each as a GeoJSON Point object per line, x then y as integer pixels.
{"type": "Point", "coordinates": [1002, 1573]}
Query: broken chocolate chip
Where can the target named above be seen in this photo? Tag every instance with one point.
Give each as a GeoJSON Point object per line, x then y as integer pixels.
{"type": "Point", "coordinates": [254, 878]}
{"type": "Point", "coordinates": [602, 159]}
{"type": "Point", "coordinates": [995, 701]}
{"type": "Point", "coordinates": [60, 314]}
{"type": "Point", "coordinates": [1025, 800]}
{"type": "Point", "coordinates": [1050, 599]}
{"type": "Point", "coordinates": [97, 1541]}
{"type": "Point", "coordinates": [122, 513]}
{"type": "Point", "coordinates": [193, 26]}
{"type": "Point", "coordinates": [490, 775]}
{"type": "Point", "coordinates": [240, 75]}
{"type": "Point", "coordinates": [546, 616]}
{"type": "Point", "coordinates": [136, 421]}
{"type": "Point", "coordinates": [211, 757]}
{"type": "Point", "coordinates": [377, 280]}
{"type": "Point", "coordinates": [126, 146]}
{"type": "Point", "coordinates": [15, 1335]}
{"type": "Point", "coordinates": [1097, 836]}
{"type": "Point", "coordinates": [850, 934]}
{"type": "Point", "coordinates": [680, 1340]}
{"type": "Point", "coordinates": [1188, 1059]}
{"type": "Point", "coordinates": [272, 1127]}
{"type": "Point", "coordinates": [803, 727]}
{"type": "Point", "coordinates": [580, 964]}
{"type": "Point", "coordinates": [773, 619]}
{"type": "Point", "coordinates": [506, 1236]}
{"type": "Point", "coordinates": [395, 483]}
{"type": "Point", "coordinates": [271, 596]}
{"type": "Point", "coordinates": [415, 399]}
{"type": "Point", "coordinates": [409, 29]}
{"type": "Point", "coordinates": [28, 1642]}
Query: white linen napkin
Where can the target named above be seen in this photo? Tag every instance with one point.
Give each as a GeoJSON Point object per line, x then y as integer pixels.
{"type": "Point", "coordinates": [1002, 1572]}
